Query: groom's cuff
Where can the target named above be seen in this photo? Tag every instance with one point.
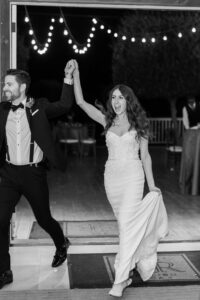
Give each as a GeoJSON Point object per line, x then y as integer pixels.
{"type": "Point", "coordinates": [68, 81]}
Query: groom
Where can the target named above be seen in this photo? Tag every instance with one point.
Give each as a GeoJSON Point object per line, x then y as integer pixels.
{"type": "Point", "coordinates": [25, 140]}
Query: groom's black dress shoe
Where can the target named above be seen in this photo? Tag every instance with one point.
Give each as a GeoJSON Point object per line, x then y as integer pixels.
{"type": "Point", "coordinates": [5, 278]}
{"type": "Point", "coordinates": [61, 254]}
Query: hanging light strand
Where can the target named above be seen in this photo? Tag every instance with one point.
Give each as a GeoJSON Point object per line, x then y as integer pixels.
{"type": "Point", "coordinates": [41, 48]}
{"type": "Point", "coordinates": [81, 48]}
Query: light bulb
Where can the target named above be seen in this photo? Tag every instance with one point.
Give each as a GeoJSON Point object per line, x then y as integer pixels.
{"type": "Point", "coordinates": [94, 21]}
{"type": "Point", "coordinates": [65, 32]}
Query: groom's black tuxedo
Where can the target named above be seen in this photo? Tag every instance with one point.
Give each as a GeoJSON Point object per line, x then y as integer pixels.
{"type": "Point", "coordinates": [38, 116]}
{"type": "Point", "coordinates": [30, 180]}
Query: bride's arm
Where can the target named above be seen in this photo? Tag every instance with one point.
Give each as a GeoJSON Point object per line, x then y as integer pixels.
{"type": "Point", "coordinates": [147, 165]}
{"type": "Point", "coordinates": [90, 109]}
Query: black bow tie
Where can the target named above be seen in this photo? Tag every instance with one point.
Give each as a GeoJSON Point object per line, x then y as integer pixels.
{"type": "Point", "coordinates": [15, 107]}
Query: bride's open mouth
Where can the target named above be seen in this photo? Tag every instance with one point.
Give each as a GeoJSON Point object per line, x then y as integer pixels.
{"type": "Point", "coordinates": [117, 108]}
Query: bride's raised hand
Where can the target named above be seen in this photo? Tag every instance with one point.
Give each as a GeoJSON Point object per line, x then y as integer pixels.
{"type": "Point", "coordinates": [76, 69]}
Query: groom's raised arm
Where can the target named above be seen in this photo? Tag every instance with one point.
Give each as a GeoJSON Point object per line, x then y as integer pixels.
{"type": "Point", "coordinates": [62, 106]}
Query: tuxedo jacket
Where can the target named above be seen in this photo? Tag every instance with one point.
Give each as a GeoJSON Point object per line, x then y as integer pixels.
{"type": "Point", "coordinates": [38, 116]}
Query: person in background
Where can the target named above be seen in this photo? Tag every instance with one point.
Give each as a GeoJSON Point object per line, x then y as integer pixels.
{"type": "Point", "coordinates": [142, 221]}
{"type": "Point", "coordinates": [191, 114]}
{"type": "Point", "coordinates": [25, 141]}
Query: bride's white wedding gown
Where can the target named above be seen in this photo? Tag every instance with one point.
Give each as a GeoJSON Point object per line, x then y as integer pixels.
{"type": "Point", "coordinates": [142, 221]}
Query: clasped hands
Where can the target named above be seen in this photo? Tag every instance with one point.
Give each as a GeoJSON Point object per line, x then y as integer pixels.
{"type": "Point", "coordinates": [71, 68]}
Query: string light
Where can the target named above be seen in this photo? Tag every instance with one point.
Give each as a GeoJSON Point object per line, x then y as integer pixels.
{"type": "Point", "coordinates": [65, 32]}
{"type": "Point", "coordinates": [26, 19]}
{"type": "Point", "coordinates": [82, 48]}
{"type": "Point", "coordinates": [41, 48]}
{"type": "Point", "coordinates": [94, 21]}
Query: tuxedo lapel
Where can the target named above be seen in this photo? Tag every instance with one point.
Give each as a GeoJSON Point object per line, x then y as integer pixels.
{"type": "Point", "coordinates": [4, 115]}
{"type": "Point", "coordinates": [4, 110]}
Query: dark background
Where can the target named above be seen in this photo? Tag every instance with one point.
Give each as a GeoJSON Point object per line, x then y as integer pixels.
{"type": "Point", "coordinates": [47, 70]}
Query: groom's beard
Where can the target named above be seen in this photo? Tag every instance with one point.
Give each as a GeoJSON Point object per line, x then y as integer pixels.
{"type": "Point", "coordinates": [10, 96]}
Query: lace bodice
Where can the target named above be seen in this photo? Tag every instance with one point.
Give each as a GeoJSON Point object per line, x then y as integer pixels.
{"type": "Point", "coordinates": [125, 147]}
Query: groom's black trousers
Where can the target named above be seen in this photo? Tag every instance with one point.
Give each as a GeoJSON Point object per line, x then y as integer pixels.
{"type": "Point", "coordinates": [31, 182]}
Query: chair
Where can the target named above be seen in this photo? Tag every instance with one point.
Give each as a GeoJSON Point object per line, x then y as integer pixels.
{"type": "Point", "coordinates": [173, 148]}
{"type": "Point", "coordinates": [70, 138]}
{"type": "Point", "coordinates": [88, 140]}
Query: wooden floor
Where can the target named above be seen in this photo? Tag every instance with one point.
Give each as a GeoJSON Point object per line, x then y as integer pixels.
{"type": "Point", "coordinates": [78, 194]}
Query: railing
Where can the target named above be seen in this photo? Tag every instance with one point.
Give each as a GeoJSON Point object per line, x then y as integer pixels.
{"type": "Point", "coordinates": [159, 127]}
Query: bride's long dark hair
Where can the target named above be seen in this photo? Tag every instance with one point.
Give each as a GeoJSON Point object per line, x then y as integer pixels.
{"type": "Point", "coordinates": [135, 113]}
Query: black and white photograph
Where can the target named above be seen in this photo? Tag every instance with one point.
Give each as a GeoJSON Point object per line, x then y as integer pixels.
{"type": "Point", "coordinates": [100, 150]}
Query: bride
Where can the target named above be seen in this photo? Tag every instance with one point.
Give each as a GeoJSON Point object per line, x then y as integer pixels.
{"type": "Point", "coordinates": [142, 222]}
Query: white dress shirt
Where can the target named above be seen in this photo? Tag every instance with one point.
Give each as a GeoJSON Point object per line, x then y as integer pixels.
{"type": "Point", "coordinates": [18, 137]}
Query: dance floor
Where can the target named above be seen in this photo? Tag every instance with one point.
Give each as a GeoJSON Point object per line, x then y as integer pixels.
{"type": "Point", "coordinates": [78, 202]}
{"type": "Point", "coordinates": [78, 195]}
{"type": "Point", "coordinates": [34, 279]}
